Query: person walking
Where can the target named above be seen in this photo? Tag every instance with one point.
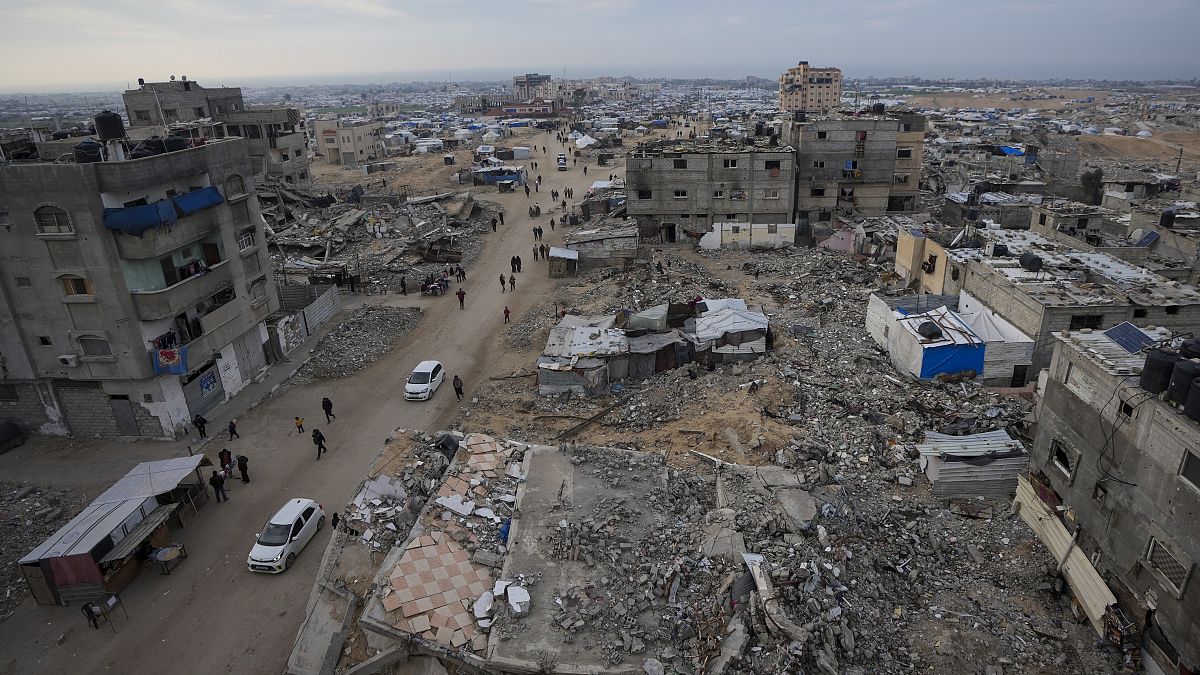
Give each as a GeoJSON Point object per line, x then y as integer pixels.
{"type": "Point", "coordinates": [534, 230]}
{"type": "Point", "coordinates": [458, 387]}
{"type": "Point", "coordinates": [512, 264]}
{"type": "Point", "coordinates": [502, 282]}
{"type": "Point", "coordinates": [462, 295]}
{"type": "Point", "coordinates": [564, 205]}
{"type": "Point", "coordinates": [527, 191]}
{"type": "Point", "coordinates": [299, 425]}
{"type": "Point", "coordinates": [518, 264]}
{"type": "Point", "coordinates": [545, 251]}
{"type": "Point", "coordinates": [225, 461]}
{"type": "Point", "coordinates": [535, 252]}
{"type": "Point", "coordinates": [506, 314]}
{"type": "Point", "coordinates": [551, 224]}
{"type": "Point", "coordinates": [493, 224]}
{"type": "Point", "coordinates": [233, 430]}
{"type": "Point", "coordinates": [575, 161]}
{"type": "Point", "coordinates": [243, 465]}
{"type": "Point", "coordinates": [537, 187]}
{"type": "Point", "coordinates": [585, 169]}
{"type": "Point", "coordinates": [335, 520]}
{"type": "Point", "coordinates": [199, 422]}
{"type": "Point", "coordinates": [327, 407]}
{"type": "Point", "coordinates": [218, 485]}
{"type": "Point", "coordinates": [319, 441]}
{"type": "Point", "coordinates": [403, 286]}
{"type": "Point", "coordinates": [502, 217]}
{"type": "Point", "coordinates": [541, 233]}
{"type": "Point", "coordinates": [512, 283]}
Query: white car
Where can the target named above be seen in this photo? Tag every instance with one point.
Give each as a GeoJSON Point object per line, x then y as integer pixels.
{"type": "Point", "coordinates": [283, 536]}
{"type": "Point", "coordinates": [424, 381]}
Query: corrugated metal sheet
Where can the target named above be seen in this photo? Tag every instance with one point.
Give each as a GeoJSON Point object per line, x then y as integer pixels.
{"type": "Point", "coordinates": [322, 308]}
{"type": "Point", "coordinates": [959, 466]}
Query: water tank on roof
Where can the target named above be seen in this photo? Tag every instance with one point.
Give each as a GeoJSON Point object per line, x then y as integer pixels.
{"type": "Point", "coordinates": [1031, 261]}
{"type": "Point", "coordinates": [1000, 250]}
{"type": "Point", "coordinates": [59, 135]}
{"type": "Point", "coordinates": [1185, 371]}
{"type": "Point", "coordinates": [149, 147]}
{"type": "Point", "coordinates": [878, 108]}
{"type": "Point", "coordinates": [1156, 372]}
{"type": "Point", "coordinates": [929, 330]}
{"type": "Point", "coordinates": [1167, 219]}
{"type": "Point", "coordinates": [1190, 348]}
{"type": "Point", "coordinates": [109, 126]}
{"type": "Point", "coordinates": [1191, 407]}
{"type": "Point", "coordinates": [175, 143]}
{"type": "Point", "coordinates": [88, 151]}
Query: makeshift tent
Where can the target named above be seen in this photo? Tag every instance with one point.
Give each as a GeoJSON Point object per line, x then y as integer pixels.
{"type": "Point", "coordinates": [653, 319]}
{"type": "Point", "coordinates": [655, 352]}
{"type": "Point", "coordinates": [576, 321]}
{"type": "Point", "coordinates": [956, 350]}
{"type": "Point", "coordinates": [1009, 352]}
{"type": "Point", "coordinates": [978, 465]}
{"type": "Point", "coordinates": [585, 141]}
{"type": "Point", "coordinates": [564, 262]}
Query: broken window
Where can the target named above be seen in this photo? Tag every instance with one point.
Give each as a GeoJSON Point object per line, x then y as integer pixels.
{"type": "Point", "coordinates": [199, 112]}
{"type": "Point", "coordinates": [903, 153]}
{"type": "Point", "coordinates": [73, 285]}
{"type": "Point", "coordinates": [770, 194]}
{"type": "Point", "coordinates": [141, 115]}
{"type": "Point", "coordinates": [736, 229]}
{"type": "Point", "coordinates": [718, 194]}
{"type": "Point", "coordinates": [1041, 219]}
{"type": "Point", "coordinates": [900, 178]}
{"type": "Point", "coordinates": [1172, 309]}
{"type": "Point", "coordinates": [1081, 321]}
{"type": "Point", "coordinates": [737, 194]}
{"type": "Point", "coordinates": [729, 163]}
{"type": "Point", "coordinates": [45, 341]}
{"type": "Point", "coordinates": [245, 239]}
{"type": "Point", "coordinates": [681, 194]}
{"type": "Point", "coordinates": [679, 164]}
{"type": "Point", "coordinates": [818, 164]}
{"type": "Point", "coordinates": [772, 228]}
{"type": "Point", "coordinates": [826, 216]}
{"type": "Point", "coordinates": [1163, 561]}
{"type": "Point", "coordinates": [1139, 313]}
{"type": "Point", "coordinates": [23, 282]}
{"type": "Point", "coordinates": [170, 114]}
{"type": "Point", "coordinates": [1064, 458]}
{"type": "Point", "coordinates": [644, 194]}
{"type": "Point", "coordinates": [817, 192]}
{"type": "Point", "coordinates": [773, 166]}
{"type": "Point", "coordinates": [8, 392]}
{"type": "Point", "coordinates": [822, 135]}
{"type": "Point", "coordinates": [94, 346]}
{"type": "Point", "coordinates": [1190, 471]}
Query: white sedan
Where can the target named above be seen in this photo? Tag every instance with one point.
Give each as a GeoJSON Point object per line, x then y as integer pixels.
{"type": "Point", "coordinates": [283, 536]}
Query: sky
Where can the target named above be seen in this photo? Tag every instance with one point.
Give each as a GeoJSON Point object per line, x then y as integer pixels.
{"type": "Point", "coordinates": [75, 45]}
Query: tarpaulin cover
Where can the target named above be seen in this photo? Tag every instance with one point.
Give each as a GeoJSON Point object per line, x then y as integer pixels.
{"type": "Point", "coordinates": [1011, 151]}
{"type": "Point", "coordinates": [138, 219]}
{"type": "Point", "coordinates": [191, 202]}
{"type": "Point", "coordinates": [172, 361]}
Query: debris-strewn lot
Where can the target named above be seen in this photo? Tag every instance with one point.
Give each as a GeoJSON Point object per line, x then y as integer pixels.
{"type": "Point", "coordinates": [29, 514]}
{"type": "Point", "coordinates": [361, 338]}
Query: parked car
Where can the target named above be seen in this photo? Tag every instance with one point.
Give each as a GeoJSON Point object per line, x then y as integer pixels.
{"type": "Point", "coordinates": [562, 162]}
{"type": "Point", "coordinates": [424, 381]}
{"type": "Point", "coordinates": [284, 535]}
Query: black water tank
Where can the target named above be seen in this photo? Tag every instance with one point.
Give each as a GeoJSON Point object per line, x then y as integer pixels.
{"type": "Point", "coordinates": [1031, 261]}
{"type": "Point", "coordinates": [175, 143]}
{"type": "Point", "coordinates": [149, 147]}
{"type": "Point", "coordinates": [88, 151]}
{"type": "Point", "coordinates": [109, 126]}
{"type": "Point", "coordinates": [972, 214]}
{"type": "Point", "coordinates": [929, 330]}
{"type": "Point", "coordinates": [1185, 371]}
{"type": "Point", "coordinates": [1000, 250]}
{"type": "Point", "coordinates": [1167, 219]}
{"type": "Point", "coordinates": [1191, 407]}
{"type": "Point", "coordinates": [1156, 372]}
{"type": "Point", "coordinates": [1190, 348]}
{"type": "Point", "coordinates": [878, 108]}
{"type": "Point", "coordinates": [59, 135]}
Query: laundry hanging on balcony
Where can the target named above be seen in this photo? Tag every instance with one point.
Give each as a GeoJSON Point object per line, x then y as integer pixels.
{"type": "Point", "coordinates": [137, 219]}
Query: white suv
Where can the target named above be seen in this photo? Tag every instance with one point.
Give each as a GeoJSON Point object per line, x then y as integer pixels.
{"type": "Point", "coordinates": [283, 536]}
{"type": "Point", "coordinates": [424, 381]}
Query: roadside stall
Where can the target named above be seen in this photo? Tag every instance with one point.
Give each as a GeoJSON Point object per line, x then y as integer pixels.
{"type": "Point", "coordinates": [121, 532]}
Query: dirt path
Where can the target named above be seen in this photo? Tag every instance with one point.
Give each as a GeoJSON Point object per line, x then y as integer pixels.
{"type": "Point", "coordinates": [211, 615]}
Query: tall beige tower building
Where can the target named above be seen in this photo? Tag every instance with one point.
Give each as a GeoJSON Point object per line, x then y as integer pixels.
{"type": "Point", "coordinates": [804, 88]}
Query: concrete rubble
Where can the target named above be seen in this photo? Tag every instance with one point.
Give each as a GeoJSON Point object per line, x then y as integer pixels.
{"type": "Point", "coordinates": [29, 513]}
{"type": "Point", "coordinates": [362, 337]}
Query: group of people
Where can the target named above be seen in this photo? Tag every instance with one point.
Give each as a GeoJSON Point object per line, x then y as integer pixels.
{"type": "Point", "coordinates": [542, 250]}
{"type": "Point", "coordinates": [512, 282]}
{"type": "Point", "coordinates": [538, 231]}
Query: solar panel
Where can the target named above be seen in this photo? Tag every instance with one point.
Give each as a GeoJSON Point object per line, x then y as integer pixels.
{"type": "Point", "coordinates": [1147, 239]}
{"type": "Point", "coordinates": [1129, 337]}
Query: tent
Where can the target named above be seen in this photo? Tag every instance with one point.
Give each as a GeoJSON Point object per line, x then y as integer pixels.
{"type": "Point", "coordinates": [957, 350]}
{"type": "Point", "coordinates": [653, 319]}
{"type": "Point", "coordinates": [585, 141]}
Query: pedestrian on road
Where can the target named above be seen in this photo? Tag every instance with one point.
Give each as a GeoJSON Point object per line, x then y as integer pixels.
{"type": "Point", "coordinates": [564, 205]}
{"type": "Point", "coordinates": [319, 441]}
{"type": "Point", "coordinates": [518, 264]}
{"type": "Point", "coordinates": [539, 179]}
{"type": "Point", "coordinates": [233, 430]}
{"type": "Point", "coordinates": [506, 313]}
{"type": "Point", "coordinates": [537, 187]}
{"type": "Point", "coordinates": [545, 251]}
{"type": "Point", "coordinates": [535, 252]}
{"type": "Point", "coordinates": [512, 264]}
{"type": "Point", "coordinates": [512, 283]}
{"type": "Point", "coordinates": [585, 170]}
{"type": "Point", "coordinates": [458, 387]}
{"type": "Point", "coordinates": [225, 460]}
{"type": "Point", "coordinates": [535, 232]}
{"type": "Point", "coordinates": [462, 296]}
{"type": "Point", "coordinates": [92, 613]}
{"type": "Point", "coordinates": [199, 422]}
{"type": "Point", "coordinates": [543, 149]}
{"type": "Point", "coordinates": [551, 224]}
{"type": "Point", "coordinates": [218, 486]}
{"type": "Point", "coordinates": [502, 282]}
{"type": "Point", "coordinates": [575, 162]}
{"type": "Point", "coordinates": [403, 286]}
{"type": "Point", "coordinates": [335, 520]}
{"type": "Point", "coordinates": [462, 274]}
{"type": "Point", "coordinates": [493, 224]}
{"type": "Point", "coordinates": [299, 425]}
{"type": "Point", "coordinates": [327, 406]}
{"type": "Point", "coordinates": [541, 233]}
{"type": "Point", "coordinates": [243, 465]}
{"type": "Point", "coordinates": [502, 216]}
{"type": "Point", "coordinates": [527, 191]}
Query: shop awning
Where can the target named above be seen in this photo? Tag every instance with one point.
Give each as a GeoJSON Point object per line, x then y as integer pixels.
{"type": "Point", "coordinates": [150, 479]}
{"type": "Point", "coordinates": [140, 533]}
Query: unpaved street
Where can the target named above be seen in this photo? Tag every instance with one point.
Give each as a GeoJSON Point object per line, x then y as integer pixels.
{"type": "Point", "coordinates": [210, 614]}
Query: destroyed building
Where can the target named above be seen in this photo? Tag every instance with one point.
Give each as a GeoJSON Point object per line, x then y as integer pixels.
{"type": "Point", "coordinates": [276, 137]}
{"type": "Point", "coordinates": [866, 165]}
{"type": "Point", "coordinates": [804, 88]}
{"type": "Point", "coordinates": [135, 289]}
{"type": "Point", "coordinates": [721, 193]}
{"type": "Point", "coordinates": [349, 140]}
{"type": "Point", "coordinates": [1118, 451]}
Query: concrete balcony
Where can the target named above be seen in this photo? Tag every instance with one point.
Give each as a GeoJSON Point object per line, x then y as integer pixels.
{"type": "Point", "coordinates": [158, 242]}
{"type": "Point", "coordinates": [288, 166]}
{"type": "Point", "coordinates": [203, 348]}
{"type": "Point", "coordinates": [174, 299]}
{"type": "Point", "coordinates": [211, 322]}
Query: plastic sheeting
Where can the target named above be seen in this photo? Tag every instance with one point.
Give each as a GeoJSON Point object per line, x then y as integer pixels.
{"type": "Point", "coordinates": [196, 200]}
{"type": "Point", "coordinates": [137, 219]}
{"type": "Point", "coordinates": [654, 319]}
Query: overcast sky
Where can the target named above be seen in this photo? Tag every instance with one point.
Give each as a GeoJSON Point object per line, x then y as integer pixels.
{"type": "Point", "coordinates": [62, 45]}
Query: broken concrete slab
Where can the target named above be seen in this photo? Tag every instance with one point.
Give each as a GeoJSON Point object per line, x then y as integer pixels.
{"type": "Point", "coordinates": [798, 505]}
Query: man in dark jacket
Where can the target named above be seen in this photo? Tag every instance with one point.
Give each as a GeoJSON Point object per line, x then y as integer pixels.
{"type": "Point", "coordinates": [458, 387]}
{"type": "Point", "coordinates": [218, 485]}
{"type": "Point", "coordinates": [327, 406]}
{"type": "Point", "coordinates": [319, 441]}
{"type": "Point", "coordinates": [199, 422]}
{"type": "Point", "coordinates": [243, 465]}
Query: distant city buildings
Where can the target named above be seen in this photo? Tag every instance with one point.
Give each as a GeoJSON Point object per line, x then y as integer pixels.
{"type": "Point", "coordinates": [807, 89]}
{"type": "Point", "coordinates": [349, 140]}
{"type": "Point", "coordinates": [531, 85]}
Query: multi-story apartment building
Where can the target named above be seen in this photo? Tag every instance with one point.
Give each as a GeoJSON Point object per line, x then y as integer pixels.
{"type": "Point", "coordinates": [531, 85]}
{"type": "Point", "coordinates": [864, 165]}
{"type": "Point", "coordinates": [1120, 467]}
{"type": "Point", "coordinates": [712, 193]}
{"type": "Point", "coordinates": [807, 89]}
{"type": "Point", "coordinates": [132, 292]}
{"type": "Point", "coordinates": [275, 137]}
{"type": "Point", "coordinates": [350, 140]}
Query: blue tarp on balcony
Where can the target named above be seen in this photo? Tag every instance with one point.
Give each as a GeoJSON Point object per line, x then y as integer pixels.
{"type": "Point", "coordinates": [138, 219]}
{"type": "Point", "coordinates": [196, 200]}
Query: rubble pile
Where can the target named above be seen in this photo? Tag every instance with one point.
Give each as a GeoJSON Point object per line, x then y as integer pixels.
{"type": "Point", "coordinates": [361, 338]}
{"type": "Point", "coordinates": [29, 514]}
{"type": "Point", "coordinates": [529, 332]}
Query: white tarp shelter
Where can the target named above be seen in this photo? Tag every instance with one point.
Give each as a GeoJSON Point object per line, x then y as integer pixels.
{"type": "Point", "coordinates": [585, 141]}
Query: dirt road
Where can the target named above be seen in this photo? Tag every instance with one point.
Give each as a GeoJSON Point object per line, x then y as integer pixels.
{"type": "Point", "coordinates": [210, 614]}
